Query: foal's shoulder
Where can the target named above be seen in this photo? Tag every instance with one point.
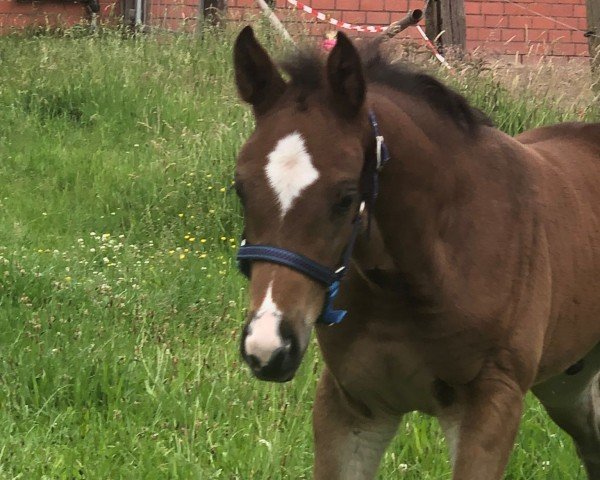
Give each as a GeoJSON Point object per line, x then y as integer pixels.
{"type": "Point", "coordinates": [588, 132]}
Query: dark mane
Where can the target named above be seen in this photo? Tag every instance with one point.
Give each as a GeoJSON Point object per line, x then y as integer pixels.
{"type": "Point", "coordinates": [306, 67]}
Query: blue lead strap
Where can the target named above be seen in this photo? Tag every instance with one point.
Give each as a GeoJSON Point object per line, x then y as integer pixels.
{"type": "Point", "coordinates": [330, 316]}
{"type": "Point", "coordinates": [314, 270]}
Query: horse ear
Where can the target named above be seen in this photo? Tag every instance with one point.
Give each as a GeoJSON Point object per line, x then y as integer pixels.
{"type": "Point", "coordinates": [258, 81]}
{"type": "Point", "coordinates": [345, 76]}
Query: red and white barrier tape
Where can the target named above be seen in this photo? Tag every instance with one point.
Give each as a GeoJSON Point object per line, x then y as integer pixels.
{"type": "Point", "coordinates": [326, 18]}
{"type": "Point", "coordinates": [433, 48]}
{"type": "Point", "coordinates": [365, 28]}
{"type": "Point", "coordinates": [378, 29]}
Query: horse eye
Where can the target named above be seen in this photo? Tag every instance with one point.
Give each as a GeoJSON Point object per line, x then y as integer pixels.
{"type": "Point", "coordinates": [343, 204]}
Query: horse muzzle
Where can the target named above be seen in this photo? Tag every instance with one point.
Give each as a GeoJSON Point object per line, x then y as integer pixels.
{"type": "Point", "coordinates": [272, 356]}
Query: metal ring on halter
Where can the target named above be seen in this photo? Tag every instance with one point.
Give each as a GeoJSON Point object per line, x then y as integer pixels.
{"type": "Point", "coordinates": [362, 207]}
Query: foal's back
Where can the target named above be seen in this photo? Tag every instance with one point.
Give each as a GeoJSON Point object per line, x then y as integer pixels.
{"type": "Point", "coordinates": [567, 166]}
{"type": "Point", "coordinates": [585, 132]}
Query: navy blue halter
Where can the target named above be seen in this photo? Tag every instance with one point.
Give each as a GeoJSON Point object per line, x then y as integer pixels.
{"type": "Point", "coordinates": [314, 270]}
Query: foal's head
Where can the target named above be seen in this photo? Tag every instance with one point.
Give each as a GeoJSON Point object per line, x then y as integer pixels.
{"type": "Point", "coordinates": [298, 178]}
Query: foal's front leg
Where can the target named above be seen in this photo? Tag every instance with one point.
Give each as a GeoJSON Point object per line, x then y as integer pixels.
{"type": "Point", "coordinates": [349, 439]}
{"type": "Point", "coordinates": [483, 425]}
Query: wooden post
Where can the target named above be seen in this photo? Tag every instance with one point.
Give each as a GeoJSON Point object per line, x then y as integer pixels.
{"type": "Point", "coordinates": [277, 25]}
{"type": "Point", "coordinates": [593, 34]}
{"type": "Point", "coordinates": [200, 19]}
{"type": "Point", "coordinates": [412, 18]}
{"type": "Point", "coordinates": [214, 10]}
{"type": "Point", "coordinates": [448, 16]}
{"type": "Point", "coordinates": [128, 9]}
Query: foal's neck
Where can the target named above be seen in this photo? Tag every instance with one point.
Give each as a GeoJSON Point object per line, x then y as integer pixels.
{"type": "Point", "coordinates": [421, 190]}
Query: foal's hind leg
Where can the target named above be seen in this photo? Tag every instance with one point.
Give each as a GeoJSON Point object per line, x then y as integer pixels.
{"type": "Point", "coordinates": [349, 440]}
{"type": "Point", "coordinates": [573, 402]}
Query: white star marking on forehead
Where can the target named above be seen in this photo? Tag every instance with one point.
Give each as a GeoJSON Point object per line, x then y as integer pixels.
{"type": "Point", "coordinates": [290, 170]}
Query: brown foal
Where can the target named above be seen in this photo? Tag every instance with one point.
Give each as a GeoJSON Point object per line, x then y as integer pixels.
{"type": "Point", "coordinates": [477, 279]}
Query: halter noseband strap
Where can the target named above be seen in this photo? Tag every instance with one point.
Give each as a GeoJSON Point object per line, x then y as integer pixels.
{"type": "Point", "coordinates": [300, 263]}
{"type": "Point", "coordinates": [314, 270]}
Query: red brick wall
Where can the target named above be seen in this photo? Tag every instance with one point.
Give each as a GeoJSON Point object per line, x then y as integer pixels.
{"type": "Point", "coordinates": [372, 12]}
{"type": "Point", "coordinates": [26, 14]}
{"type": "Point", "coordinates": [496, 26]}
{"type": "Point", "coordinates": [173, 14]}
{"type": "Point", "coordinates": [503, 27]}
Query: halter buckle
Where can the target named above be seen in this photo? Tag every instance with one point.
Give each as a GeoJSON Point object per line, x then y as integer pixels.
{"type": "Point", "coordinates": [379, 150]}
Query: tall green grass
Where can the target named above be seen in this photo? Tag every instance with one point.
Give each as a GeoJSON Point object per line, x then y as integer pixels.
{"type": "Point", "coordinates": [120, 307]}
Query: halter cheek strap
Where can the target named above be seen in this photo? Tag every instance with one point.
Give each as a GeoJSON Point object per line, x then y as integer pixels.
{"type": "Point", "coordinates": [314, 270]}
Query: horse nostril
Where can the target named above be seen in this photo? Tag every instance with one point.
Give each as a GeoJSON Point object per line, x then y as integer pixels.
{"type": "Point", "coordinates": [253, 362]}
{"type": "Point", "coordinates": [277, 359]}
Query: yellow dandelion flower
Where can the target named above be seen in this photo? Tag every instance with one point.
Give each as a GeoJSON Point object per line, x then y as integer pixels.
{"type": "Point", "coordinates": [68, 279]}
{"type": "Point", "coordinates": [171, 252]}
{"type": "Point", "coordinates": [203, 255]}
{"type": "Point", "coordinates": [222, 190]}
{"type": "Point", "coordinates": [191, 239]}
{"type": "Point", "coordinates": [186, 250]}
{"type": "Point", "coordinates": [223, 238]}
{"type": "Point", "coordinates": [180, 215]}
{"type": "Point", "coordinates": [203, 240]}
{"type": "Point", "coordinates": [181, 256]}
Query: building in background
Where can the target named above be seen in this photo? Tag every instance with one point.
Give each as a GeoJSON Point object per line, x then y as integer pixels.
{"type": "Point", "coordinates": [506, 27]}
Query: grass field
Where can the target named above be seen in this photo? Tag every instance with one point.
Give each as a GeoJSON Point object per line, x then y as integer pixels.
{"type": "Point", "coordinates": [120, 306]}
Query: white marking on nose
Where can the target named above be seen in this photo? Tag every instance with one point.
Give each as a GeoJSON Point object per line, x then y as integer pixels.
{"type": "Point", "coordinates": [290, 170]}
{"type": "Point", "coordinates": [263, 332]}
